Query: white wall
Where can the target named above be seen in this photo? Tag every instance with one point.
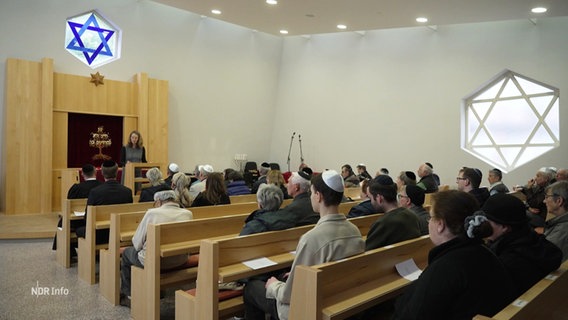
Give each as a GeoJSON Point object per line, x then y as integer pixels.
{"type": "Point", "coordinates": [392, 98]}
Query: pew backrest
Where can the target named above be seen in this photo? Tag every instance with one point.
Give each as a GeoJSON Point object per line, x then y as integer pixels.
{"type": "Point", "coordinates": [64, 234]}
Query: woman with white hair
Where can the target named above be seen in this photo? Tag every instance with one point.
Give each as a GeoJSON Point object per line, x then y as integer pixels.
{"type": "Point", "coordinates": [156, 184]}
{"type": "Point", "coordinates": [267, 217]}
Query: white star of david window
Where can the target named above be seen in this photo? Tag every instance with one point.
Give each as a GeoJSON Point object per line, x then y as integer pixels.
{"type": "Point", "coordinates": [511, 121]}
{"type": "Point", "coordinates": [92, 39]}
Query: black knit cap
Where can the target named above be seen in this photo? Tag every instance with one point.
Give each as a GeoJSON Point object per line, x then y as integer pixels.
{"type": "Point", "coordinates": [505, 209]}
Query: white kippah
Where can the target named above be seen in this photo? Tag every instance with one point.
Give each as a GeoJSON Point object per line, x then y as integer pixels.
{"type": "Point", "coordinates": [208, 168]}
{"type": "Point", "coordinates": [173, 167]}
{"type": "Point", "coordinates": [333, 180]}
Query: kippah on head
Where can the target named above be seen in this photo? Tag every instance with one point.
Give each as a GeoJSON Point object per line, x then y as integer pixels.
{"type": "Point", "coordinates": [306, 173]}
{"type": "Point", "coordinates": [173, 167]}
{"type": "Point", "coordinates": [429, 165]}
{"type": "Point", "coordinates": [88, 169]}
{"type": "Point", "coordinates": [265, 165]}
{"type": "Point", "coordinates": [109, 164]}
{"type": "Point", "coordinates": [208, 168]}
{"type": "Point", "coordinates": [410, 175]}
{"type": "Point", "coordinates": [165, 195]}
{"type": "Point", "coordinates": [383, 180]}
{"type": "Point", "coordinates": [416, 194]}
{"type": "Point", "coordinates": [333, 180]}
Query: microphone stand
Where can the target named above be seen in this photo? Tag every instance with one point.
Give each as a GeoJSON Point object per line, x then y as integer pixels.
{"type": "Point", "coordinates": [290, 150]}
{"type": "Point", "coordinates": [301, 154]}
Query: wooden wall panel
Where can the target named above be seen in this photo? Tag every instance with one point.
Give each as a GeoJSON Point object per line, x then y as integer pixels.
{"type": "Point", "coordinates": [28, 136]}
{"type": "Point", "coordinates": [158, 120]}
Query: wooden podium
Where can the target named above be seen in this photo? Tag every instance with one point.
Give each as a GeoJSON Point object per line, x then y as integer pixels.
{"type": "Point", "coordinates": [130, 169]}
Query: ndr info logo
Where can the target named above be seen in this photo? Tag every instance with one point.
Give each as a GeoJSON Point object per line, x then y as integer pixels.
{"type": "Point", "coordinates": [49, 291]}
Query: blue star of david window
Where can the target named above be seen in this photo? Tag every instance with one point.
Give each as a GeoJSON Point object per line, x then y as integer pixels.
{"type": "Point", "coordinates": [92, 39]}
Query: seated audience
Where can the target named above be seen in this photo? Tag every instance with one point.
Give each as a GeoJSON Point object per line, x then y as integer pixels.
{"type": "Point", "coordinates": [463, 278]}
{"type": "Point", "coordinates": [173, 168]}
{"type": "Point", "coordinates": [436, 177]}
{"type": "Point", "coordinates": [226, 174]}
{"type": "Point", "coordinates": [468, 180]}
{"type": "Point", "coordinates": [166, 209]}
{"type": "Point", "coordinates": [333, 238]}
{"type": "Point", "coordinates": [495, 184]}
{"type": "Point", "coordinates": [262, 171]}
{"type": "Point", "coordinates": [427, 181]}
{"type": "Point", "coordinates": [180, 185]}
{"type": "Point", "coordinates": [556, 229]}
{"type": "Point", "coordinates": [268, 217]}
{"type": "Point", "coordinates": [276, 178]}
{"type": "Point", "coordinates": [397, 224]}
{"type": "Point", "coordinates": [412, 197]}
{"type": "Point", "coordinates": [215, 192]}
{"type": "Point", "coordinates": [80, 191]}
{"type": "Point", "coordinates": [534, 191]}
{"type": "Point", "coordinates": [365, 207]}
{"type": "Point", "coordinates": [349, 176]}
{"type": "Point", "coordinates": [237, 185]}
{"type": "Point", "coordinates": [406, 178]}
{"type": "Point", "coordinates": [526, 255]}
{"type": "Point", "coordinates": [362, 173]}
{"type": "Point", "coordinates": [156, 184]}
{"type": "Point", "coordinates": [110, 192]}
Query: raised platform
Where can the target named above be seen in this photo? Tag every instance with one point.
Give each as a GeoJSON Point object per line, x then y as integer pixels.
{"type": "Point", "coordinates": [28, 226]}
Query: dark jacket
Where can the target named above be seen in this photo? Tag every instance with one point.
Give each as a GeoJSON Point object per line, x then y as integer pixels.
{"type": "Point", "coordinates": [201, 201]}
{"type": "Point", "coordinates": [481, 195]}
{"type": "Point", "coordinates": [301, 210]}
{"type": "Point", "coordinates": [262, 221]}
{"type": "Point", "coordinates": [428, 183]}
{"type": "Point", "coordinates": [257, 184]}
{"type": "Point", "coordinates": [395, 226]}
{"type": "Point", "coordinates": [463, 279]}
{"type": "Point", "coordinates": [364, 208]}
{"type": "Point", "coordinates": [535, 199]}
{"type": "Point", "coordinates": [423, 217]}
{"type": "Point", "coordinates": [147, 194]}
{"type": "Point", "coordinates": [236, 188]}
{"type": "Point", "coordinates": [527, 256]}
{"type": "Point", "coordinates": [81, 190]}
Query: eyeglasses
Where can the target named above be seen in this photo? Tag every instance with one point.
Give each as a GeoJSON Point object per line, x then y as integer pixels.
{"type": "Point", "coordinates": [546, 196]}
{"type": "Point", "coordinates": [399, 195]}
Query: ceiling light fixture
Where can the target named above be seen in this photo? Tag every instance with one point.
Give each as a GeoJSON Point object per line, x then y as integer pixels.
{"type": "Point", "coordinates": [283, 31]}
{"type": "Point", "coordinates": [539, 10]}
{"type": "Point", "coordinates": [272, 2]}
{"type": "Point", "coordinates": [341, 26]}
{"type": "Point", "coordinates": [215, 11]}
{"type": "Point", "coordinates": [422, 19]}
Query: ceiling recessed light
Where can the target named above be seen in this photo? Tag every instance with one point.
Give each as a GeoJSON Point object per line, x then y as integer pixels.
{"type": "Point", "coordinates": [422, 19]}
{"type": "Point", "coordinates": [272, 2]}
{"type": "Point", "coordinates": [215, 11]}
{"type": "Point", "coordinates": [341, 26]}
{"type": "Point", "coordinates": [283, 31]}
{"type": "Point", "coordinates": [539, 10]}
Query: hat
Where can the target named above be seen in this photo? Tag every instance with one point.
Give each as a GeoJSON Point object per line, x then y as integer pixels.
{"type": "Point", "coordinates": [173, 167]}
{"type": "Point", "coordinates": [265, 165]}
{"type": "Point", "coordinates": [306, 173]}
{"type": "Point", "coordinates": [505, 209]}
{"type": "Point", "coordinates": [109, 164]}
{"type": "Point", "coordinates": [207, 168]}
{"type": "Point", "coordinates": [333, 180]}
{"type": "Point", "coordinates": [88, 169]}
{"type": "Point", "coordinates": [416, 194]}
{"type": "Point", "coordinates": [383, 179]}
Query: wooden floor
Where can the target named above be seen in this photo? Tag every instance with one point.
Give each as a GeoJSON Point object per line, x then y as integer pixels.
{"type": "Point", "coordinates": [28, 226]}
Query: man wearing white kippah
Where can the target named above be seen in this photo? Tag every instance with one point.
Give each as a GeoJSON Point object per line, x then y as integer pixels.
{"type": "Point", "coordinates": [173, 168]}
{"type": "Point", "coordinates": [333, 238]}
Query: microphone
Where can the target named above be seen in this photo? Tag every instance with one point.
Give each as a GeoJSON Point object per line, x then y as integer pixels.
{"type": "Point", "coordinates": [290, 150]}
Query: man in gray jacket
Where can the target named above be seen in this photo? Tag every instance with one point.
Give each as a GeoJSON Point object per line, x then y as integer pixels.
{"type": "Point", "coordinates": [556, 229]}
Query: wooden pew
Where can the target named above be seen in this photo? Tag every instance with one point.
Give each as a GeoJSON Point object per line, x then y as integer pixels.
{"type": "Point", "coordinates": [545, 300]}
{"type": "Point", "coordinates": [221, 261]}
{"type": "Point", "coordinates": [243, 198]}
{"type": "Point", "coordinates": [123, 226]}
{"type": "Point", "coordinates": [353, 193]}
{"type": "Point", "coordinates": [169, 239]}
{"type": "Point", "coordinates": [98, 217]}
{"type": "Point", "coordinates": [366, 280]}
{"type": "Point", "coordinates": [64, 234]}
